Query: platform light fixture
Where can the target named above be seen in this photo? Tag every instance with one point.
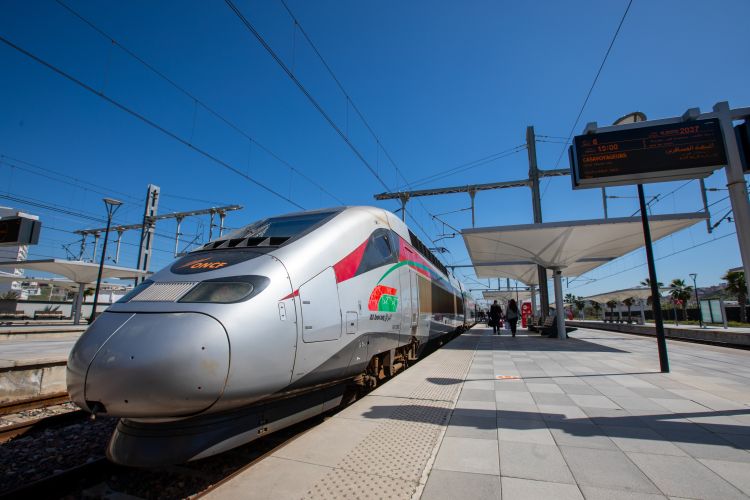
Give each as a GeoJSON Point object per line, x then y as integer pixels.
{"type": "Point", "coordinates": [111, 205]}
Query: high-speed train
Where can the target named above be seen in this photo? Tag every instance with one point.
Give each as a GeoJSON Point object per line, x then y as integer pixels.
{"type": "Point", "coordinates": [272, 324]}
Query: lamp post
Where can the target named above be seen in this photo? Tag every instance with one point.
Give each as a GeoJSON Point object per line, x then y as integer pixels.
{"type": "Point", "coordinates": [697, 299]}
{"type": "Point", "coordinates": [112, 205]}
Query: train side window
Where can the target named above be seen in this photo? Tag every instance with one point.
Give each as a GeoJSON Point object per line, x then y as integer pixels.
{"type": "Point", "coordinates": [379, 252]}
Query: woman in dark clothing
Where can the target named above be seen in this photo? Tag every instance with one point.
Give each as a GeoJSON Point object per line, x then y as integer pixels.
{"type": "Point", "coordinates": [495, 314]}
{"type": "Point", "coordinates": [511, 315]}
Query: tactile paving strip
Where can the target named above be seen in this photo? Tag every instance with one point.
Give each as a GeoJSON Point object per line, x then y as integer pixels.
{"type": "Point", "coordinates": [389, 462]}
{"type": "Point", "coordinates": [341, 483]}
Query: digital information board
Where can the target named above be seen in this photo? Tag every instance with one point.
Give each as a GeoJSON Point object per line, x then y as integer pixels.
{"type": "Point", "coordinates": [657, 153]}
{"type": "Point", "coordinates": [16, 231]}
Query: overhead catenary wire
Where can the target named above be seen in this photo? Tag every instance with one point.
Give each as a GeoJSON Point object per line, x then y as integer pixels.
{"type": "Point", "coordinates": [658, 258]}
{"type": "Point", "coordinates": [66, 211]}
{"type": "Point", "coordinates": [126, 243]}
{"type": "Point", "coordinates": [45, 206]}
{"type": "Point", "coordinates": [591, 89]}
{"type": "Point", "coordinates": [197, 101]}
{"type": "Point", "coordinates": [349, 100]}
{"type": "Point", "coordinates": [73, 181]}
{"type": "Point", "coordinates": [250, 27]}
{"type": "Point", "coordinates": [467, 166]}
{"type": "Point", "coordinates": [147, 120]}
{"type": "Point", "coordinates": [596, 79]}
{"type": "Point", "coordinates": [660, 197]}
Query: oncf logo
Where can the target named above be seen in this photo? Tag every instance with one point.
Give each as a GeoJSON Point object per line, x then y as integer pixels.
{"type": "Point", "coordinates": [204, 264]}
{"type": "Point", "coordinates": [383, 298]}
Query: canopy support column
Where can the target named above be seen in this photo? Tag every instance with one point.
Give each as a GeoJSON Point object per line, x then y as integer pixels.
{"type": "Point", "coordinates": [532, 288]}
{"type": "Point", "coordinates": [78, 304]}
{"type": "Point", "coordinates": [557, 275]}
{"type": "Point", "coordinates": [643, 313]}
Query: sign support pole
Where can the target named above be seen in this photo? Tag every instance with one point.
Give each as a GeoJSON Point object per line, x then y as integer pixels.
{"type": "Point", "coordinates": [559, 306]}
{"type": "Point", "coordinates": [736, 185]}
{"type": "Point", "coordinates": [536, 204]}
{"type": "Point", "coordinates": [655, 302]}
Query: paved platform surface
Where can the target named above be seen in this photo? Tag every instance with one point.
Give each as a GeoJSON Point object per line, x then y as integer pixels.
{"type": "Point", "coordinates": [40, 326]}
{"type": "Point", "coordinates": [670, 324]}
{"type": "Point", "coordinates": [530, 417]}
{"type": "Point", "coordinates": [17, 353]}
{"type": "Point", "coordinates": [37, 344]}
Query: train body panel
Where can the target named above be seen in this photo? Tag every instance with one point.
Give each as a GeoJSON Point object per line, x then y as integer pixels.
{"type": "Point", "coordinates": [136, 378]}
{"type": "Point", "coordinates": [288, 306]}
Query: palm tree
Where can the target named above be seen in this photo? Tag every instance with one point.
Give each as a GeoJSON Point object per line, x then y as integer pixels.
{"type": "Point", "coordinates": [736, 287]}
{"type": "Point", "coordinates": [597, 307]}
{"type": "Point", "coordinates": [629, 303]}
{"type": "Point", "coordinates": [647, 283]}
{"type": "Point", "coordinates": [611, 304]}
{"type": "Point", "coordinates": [679, 290]}
{"type": "Point", "coordinates": [580, 305]}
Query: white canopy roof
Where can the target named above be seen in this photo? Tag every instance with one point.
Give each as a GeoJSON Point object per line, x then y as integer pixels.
{"type": "Point", "coordinates": [620, 295]}
{"type": "Point", "coordinates": [58, 282]}
{"type": "Point", "coordinates": [574, 247]}
{"type": "Point", "coordinates": [506, 295]}
{"type": "Point", "coordinates": [74, 270]}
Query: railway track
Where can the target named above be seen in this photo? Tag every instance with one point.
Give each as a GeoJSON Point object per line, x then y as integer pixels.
{"type": "Point", "coordinates": [100, 478]}
{"type": "Point", "coordinates": [32, 404]}
{"type": "Point", "coordinates": [9, 432]}
{"type": "Point", "coordinates": [34, 414]}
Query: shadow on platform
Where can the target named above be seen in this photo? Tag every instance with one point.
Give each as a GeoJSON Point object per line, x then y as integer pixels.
{"type": "Point", "coordinates": [531, 342]}
{"type": "Point", "coordinates": [453, 381]}
{"type": "Point", "coordinates": [667, 427]}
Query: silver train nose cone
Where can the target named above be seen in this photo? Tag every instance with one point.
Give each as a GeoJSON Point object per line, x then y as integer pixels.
{"type": "Point", "coordinates": [150, 365]}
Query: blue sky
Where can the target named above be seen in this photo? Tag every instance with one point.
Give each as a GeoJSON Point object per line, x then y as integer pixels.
{"type": "Point", "coordinates": [440, 84]}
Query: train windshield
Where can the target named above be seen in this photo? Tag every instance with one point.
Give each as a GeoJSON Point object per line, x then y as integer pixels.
{"type": "Point", "coordinates": [281, 227]}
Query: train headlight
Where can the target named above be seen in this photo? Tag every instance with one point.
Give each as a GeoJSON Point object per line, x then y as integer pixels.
{"type": "Point", "coordinates": [226, 290]}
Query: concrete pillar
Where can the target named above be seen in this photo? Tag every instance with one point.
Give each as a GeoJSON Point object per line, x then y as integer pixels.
{"type": "Point", "coordinates": [559, 308]}
{"type": "Point", "coordinates": [533, 299]}
{"type": "Point", "coordinates": [643, 312]}
{"type": "Point", "coordinates": [78, 304]}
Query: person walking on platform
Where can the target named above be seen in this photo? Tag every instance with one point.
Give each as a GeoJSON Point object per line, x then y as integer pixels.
{"type": "Point", "coordinates": [495, 314]}
{"type": "Point", "coordinates": [511, 315]}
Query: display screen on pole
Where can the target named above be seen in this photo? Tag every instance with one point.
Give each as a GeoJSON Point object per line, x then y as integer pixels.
{"type": "Point", "coordinates": [657, 153]}
{"type": "Point", "coordinates": [15, 231]}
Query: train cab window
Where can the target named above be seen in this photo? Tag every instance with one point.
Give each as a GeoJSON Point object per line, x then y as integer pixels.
{"type": "Point", "coordinates": [287, 226]}
{"type": "Point", "coordinates": [379, 251]}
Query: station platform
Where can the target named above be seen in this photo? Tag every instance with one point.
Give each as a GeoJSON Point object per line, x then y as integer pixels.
{"type": "Point", "coordinates": [732, 336]}
{"type": "Point", "coordinates": [33, 363]}
{"type": "Point", "coordinates": [530, 417]}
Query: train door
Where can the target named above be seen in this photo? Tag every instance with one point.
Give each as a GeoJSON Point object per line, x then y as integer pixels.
{"type": "Point", "coordinates": [321, 313]}
{"type": "Point", "coordinates": [405, 304]}
{"type": "Point", "coordinates": [414, 302]}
